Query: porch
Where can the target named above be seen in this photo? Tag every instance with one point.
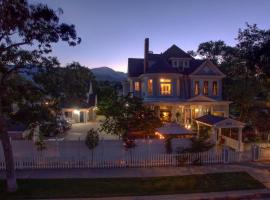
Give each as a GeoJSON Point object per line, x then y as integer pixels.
{"type": "Point", "coordinates": [185, 112]}
{"type": "Point", "coordinates": [223, 131]}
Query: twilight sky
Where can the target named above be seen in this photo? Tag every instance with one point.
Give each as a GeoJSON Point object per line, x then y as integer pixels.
{"type": "Point", "coordinates": [114, 30]}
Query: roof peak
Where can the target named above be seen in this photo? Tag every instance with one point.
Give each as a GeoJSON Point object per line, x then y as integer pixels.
{"type": "Point", "coordinates": [175, 51]}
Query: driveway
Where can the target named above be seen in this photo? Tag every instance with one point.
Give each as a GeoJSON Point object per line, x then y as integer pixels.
{"type": "Point", "coordinates": [78, 131]}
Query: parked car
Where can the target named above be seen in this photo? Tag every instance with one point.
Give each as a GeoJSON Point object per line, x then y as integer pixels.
{"type": "Point", "coordinates": [64, 123]}
{"type": "Point", "coordinates": [51, 129]}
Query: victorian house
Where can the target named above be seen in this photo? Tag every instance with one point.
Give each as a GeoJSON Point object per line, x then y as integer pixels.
{"type": "Point", "coordinates": [179, 87]}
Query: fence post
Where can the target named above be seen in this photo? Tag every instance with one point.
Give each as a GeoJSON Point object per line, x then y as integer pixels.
{"type": "Point", "coordinates": [255, 150]}
{"type": "Point", "coordinates": [225, 154]}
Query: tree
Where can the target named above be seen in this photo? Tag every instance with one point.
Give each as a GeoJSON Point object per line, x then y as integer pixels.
{"type": "Point", "coordinates": [247, 69]}
{"type": "Point", "coordinates": [127, 113]}
{"type": "Point", "coordinates": [92, 140]}
{"type": "Point", "coordinates": [247, 72]}
{"type": "Point", "coordinates": [212, 50]}
{"type": "Point", "coordinates": [199, 144]}
{"type": "Point", "coordinates": [107, 89]}
{"type": "Point", "coordinates": [27, 32]}
{"type": "Point", "coordinates": [54, 83]}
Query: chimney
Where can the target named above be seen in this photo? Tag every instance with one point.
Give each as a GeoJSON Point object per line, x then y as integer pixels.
{"type": "Point", "coordinates": [146, 51]}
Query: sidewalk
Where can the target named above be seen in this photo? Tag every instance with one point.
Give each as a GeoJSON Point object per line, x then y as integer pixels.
{"type": "Point", "coordinates": [259, 171]}
{"type": "Point", "coordinates": [231, 195]}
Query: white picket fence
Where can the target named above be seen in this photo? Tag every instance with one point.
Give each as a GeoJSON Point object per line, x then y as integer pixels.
{"type": "Point", "coordinates": [264, 153]}
{"type": "Point", "coordinates": [152, 160]}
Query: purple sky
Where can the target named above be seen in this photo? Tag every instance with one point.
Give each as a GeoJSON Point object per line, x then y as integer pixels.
{"type": "Point", "coordinates": [114, 30]}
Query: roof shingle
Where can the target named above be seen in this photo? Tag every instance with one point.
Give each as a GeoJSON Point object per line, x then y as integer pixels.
{"type": "Point", "coordinates": [160, 63]}
{"type": "Point", "coordinates": [210, 119]}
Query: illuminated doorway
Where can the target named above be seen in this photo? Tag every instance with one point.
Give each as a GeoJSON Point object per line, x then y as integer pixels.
{"type": "Point", "coordinates": [165, 115]}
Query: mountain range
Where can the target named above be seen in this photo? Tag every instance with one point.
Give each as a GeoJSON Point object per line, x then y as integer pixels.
{"type": "Point", "coordinates": [108, 74]}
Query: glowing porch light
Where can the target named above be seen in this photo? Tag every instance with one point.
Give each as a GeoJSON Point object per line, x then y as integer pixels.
{"type": "Point", "coordinates": [77, 112]}
{"type": "Point", "coordinates": [188, 126]}
{"type": "Point", "coordinates": [196, 110]}
{"type": "Point", "coordinates": [160, 136]}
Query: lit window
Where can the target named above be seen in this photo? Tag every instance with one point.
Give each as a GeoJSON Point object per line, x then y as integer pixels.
{"type": "Point", "coordinates": [197, 88]}
{"type": "Point", "coordinates": [215, 88]}
{"type": "Point", "coordinates": [165, 87]}
{"type": "Point", "coordinates": [165, 80]}
{"type": "Point", "coordinates": [137, 86]}
{"type": "Point", "coordinates": [150, 87]}
{"type": "Point", "coordinates": [205, 88]}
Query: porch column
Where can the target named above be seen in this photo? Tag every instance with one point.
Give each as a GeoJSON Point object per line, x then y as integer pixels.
{"type": "Point", "coordinates": [219, 135]}
{"type": "Point", "coordinates": [158, 111]}
{"type": "Point", "coordinates": [173, 113]}
{"type": "Point", "coordinates": [240, 143]}
{"type": "Point", "coordinates": [198, 129]}
{"type": "Point", "coordinates": [214, 136]}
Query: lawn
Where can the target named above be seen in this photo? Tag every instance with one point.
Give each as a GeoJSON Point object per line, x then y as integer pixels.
{"type": "Point", "coordinates": [67, 188]}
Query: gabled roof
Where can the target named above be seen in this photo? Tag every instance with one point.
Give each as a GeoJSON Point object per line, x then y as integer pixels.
{"type": "Point", "coordinates": [210, 66]}
{"type": "Point", "coordinates": [210, 119]}
{"type": "Point", "coordinates": [135, 67]}
{"type": "Point", "coordinates": [158, 64]}
{"type": "Point", "coordinates": [175, 52]}
{"type": "Point", "coordinates": [81, 104]}
{"type": "Point", "coordinates": [220, 122]}
{"type": "Point", "coordinates": [193, 65]}
{"type": "Point", "coordinates": [174, 129]}
{"type": "Point", "coordinates": [161, 63]}
{"type": "Point", "coordinates": [201, 98]}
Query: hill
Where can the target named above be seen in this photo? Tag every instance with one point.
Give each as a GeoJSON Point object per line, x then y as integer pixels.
{"type": "Point", "coordinates": [108, 74]}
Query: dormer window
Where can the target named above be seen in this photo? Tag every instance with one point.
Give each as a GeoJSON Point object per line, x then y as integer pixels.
{"type": "Point", "coordinates": [180, 63]}
{"type": "Point", "coordinates": [175, 63]}
{"type": "Point", "coordinates": [186, 64]}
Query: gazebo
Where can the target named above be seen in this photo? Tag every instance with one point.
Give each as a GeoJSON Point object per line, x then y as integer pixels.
{"type": "Point", "coordinates": [217, 123]}
{"type": "Point", "coordinates": [174, 130]}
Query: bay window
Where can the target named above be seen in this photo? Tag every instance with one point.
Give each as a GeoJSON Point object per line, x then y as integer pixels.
{"type": "Point", "coordinates": [196, 88]}
{"type": "Point", "coordinates": [215, 88]}
{"type": "Point", "coordinates": [205, 88]}
{"type": "Point", "coordinates": [150, 87]}
{"type": "Point", "coordinates": [165, 87]}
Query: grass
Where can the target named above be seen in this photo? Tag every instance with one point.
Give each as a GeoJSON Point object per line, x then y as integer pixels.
{"type": "Point", "coordinates": [75, 188]}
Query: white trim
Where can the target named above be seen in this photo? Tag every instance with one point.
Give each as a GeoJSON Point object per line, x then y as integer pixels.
{"type": "Point", "coordinates": [214, 67]}
{"type": "Point", "coordinates": [229, 123]}
{"type": "Point", "coordinates": [201, 98]}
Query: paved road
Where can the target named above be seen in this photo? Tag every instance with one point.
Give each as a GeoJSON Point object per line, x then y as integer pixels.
{"type": "Point", "coordinates": [79, 130]}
